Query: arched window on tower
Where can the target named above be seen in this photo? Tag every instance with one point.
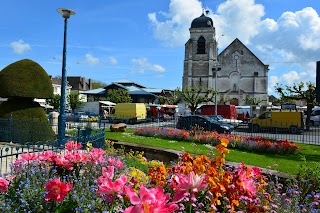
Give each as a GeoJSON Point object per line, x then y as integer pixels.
{"type": "Point", "coordinates": [201, 45]}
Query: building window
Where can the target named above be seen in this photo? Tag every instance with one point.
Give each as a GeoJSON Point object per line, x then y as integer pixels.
{"type": "Point", "coordinates": [255, 74]}
{"type": "Point", "coordinates": [201, 45]}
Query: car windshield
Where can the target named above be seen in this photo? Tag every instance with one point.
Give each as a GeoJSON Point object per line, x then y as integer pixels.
{"type": "Point", "coordinates": [220, 117]}
{"type": "Point", "coordinates": [211, 119]}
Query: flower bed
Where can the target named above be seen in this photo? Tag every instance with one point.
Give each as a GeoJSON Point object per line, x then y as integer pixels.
{"type": "Point", "coordinates": [93, 181]}
{"type": "Point", "coordinates": [255, 144]}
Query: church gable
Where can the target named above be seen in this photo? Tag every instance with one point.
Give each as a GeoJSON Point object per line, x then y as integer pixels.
{"type": "Point", "coordinates": [238, 48]}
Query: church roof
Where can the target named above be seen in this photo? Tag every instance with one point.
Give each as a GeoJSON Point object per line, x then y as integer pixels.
{"type": "Point", "coordinates": [237, 41]}
{"type": "Point", "coordinates": [202, 22]}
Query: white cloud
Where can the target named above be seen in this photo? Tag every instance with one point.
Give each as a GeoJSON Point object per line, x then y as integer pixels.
{"type": "Point", "coordinates": [273, 80]}
{"type": "Point", "coordinates": [240, 19]}
{"type": "Point", "coordinates": [290, 77]}
{"type": "Point", "coordinates": [288, 42]}
{"type": "Point", "coordinates": [112, 60]}
{"type": "Point", "coordinates": [174, 29]}
{"type": "Point", "coordinates": [142, 64]}
{"type": "Point", "coordinates": [20, 47]}
{"type": "Point", "coordinates": [295, 35]}
{"type": "Point", "coordinates": [90, 59]}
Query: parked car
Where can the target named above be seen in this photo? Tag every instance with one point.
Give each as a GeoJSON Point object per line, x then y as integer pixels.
{"type": "Point", "coordinates": [224, 120]}
{"type": "Point", "coordinates": [91, 114]}
{"type": "Point", "coordinates": [78, 117]}
{"type": "Point", "coordinates": [205, 122]}
{"type": "Point", "coordinates": [315, 117]}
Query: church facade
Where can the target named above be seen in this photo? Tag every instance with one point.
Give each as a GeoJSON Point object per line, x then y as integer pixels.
{"type": "Point", "coordinates": [236, 73]}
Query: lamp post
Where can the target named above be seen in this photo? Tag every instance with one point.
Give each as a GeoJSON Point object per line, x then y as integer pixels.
{"type": "Point", "coordinates": [215, 70]}
{"type": "Point", "coordinates": [158, 108]}
{"type": "Point", "coordinates": [236, 57]}
{"type": "Point", "coordinates": [66, 13]}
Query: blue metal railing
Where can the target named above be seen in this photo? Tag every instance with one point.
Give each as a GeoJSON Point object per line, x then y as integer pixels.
{"type": "Point", "coordinates": [22, 136]}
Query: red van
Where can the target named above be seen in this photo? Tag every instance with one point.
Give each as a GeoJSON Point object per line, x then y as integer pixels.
{"type": "Point", "coordinates": [227, 111]}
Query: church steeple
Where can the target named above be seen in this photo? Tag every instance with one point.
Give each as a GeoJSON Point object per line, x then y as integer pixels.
{"type": "Point", "coordinates": [200, 53]}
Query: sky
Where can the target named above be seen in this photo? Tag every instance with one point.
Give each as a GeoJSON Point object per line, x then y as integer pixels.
{"type": "Point", "coordinates": [143, 40]}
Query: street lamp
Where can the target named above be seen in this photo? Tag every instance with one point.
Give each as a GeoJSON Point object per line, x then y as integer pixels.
{"type": "Point", "coordinates": [218, 43]}
{"type": "Point", "coordinates": [215, 70]}
{"type": "Point", "coordinates": [236, 57]}
{"type": "Point", "coordinates": [66, 13]}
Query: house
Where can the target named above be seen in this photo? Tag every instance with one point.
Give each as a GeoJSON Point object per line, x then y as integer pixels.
{"type": "Point", "coordinates": [56, 84]}
{"type": "Point", "coordinates": [80, 84]}
{"type": "Point", "coordinates": [138, 92]}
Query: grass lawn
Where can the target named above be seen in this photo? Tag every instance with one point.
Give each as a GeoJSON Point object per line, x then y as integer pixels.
{"type": "Point", "coordinates": [286, 163]}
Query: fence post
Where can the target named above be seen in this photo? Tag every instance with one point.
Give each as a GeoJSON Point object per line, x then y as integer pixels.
{"type": "Point", "coordinates": [78, 139]}
{"type": "Point", "coordinates": [10, 120]}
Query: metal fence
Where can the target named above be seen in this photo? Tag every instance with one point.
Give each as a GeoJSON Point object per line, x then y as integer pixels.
{"type": "Point", "coordinates": [18, 137]}
{"type": "Point", "coordinates": [311, 136]}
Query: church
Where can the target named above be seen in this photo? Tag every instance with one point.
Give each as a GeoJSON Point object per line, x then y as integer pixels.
{"type": "Point", "coordinates": [236, 73]}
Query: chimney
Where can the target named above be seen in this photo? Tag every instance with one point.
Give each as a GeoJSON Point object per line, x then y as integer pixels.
{"type": "Point", "coordinates": [90, 84]}
{"type": "Point", "coordinates": [84, 84]}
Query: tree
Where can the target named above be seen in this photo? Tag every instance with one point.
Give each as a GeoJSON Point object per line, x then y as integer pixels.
{"type": "Point", "coordinates": [299, 91]}
{"type": "Point", "coordinates": [253, 101]}
{"type": "Point", "coordinates": [172, 100]}
{"type": "Point", "coordinates": [55, 101]}
{"type": "Point", "coordinates": [118, 96]}
{"type": "Point", "coordinates": [193, 96]}
{"type": "Point", "coordinates": [98, 84]}
{"type": "Point", "coordinates": [73, 99]}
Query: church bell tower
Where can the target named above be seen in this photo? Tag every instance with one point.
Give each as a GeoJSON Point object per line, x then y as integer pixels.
{"type": "Point", "coordinates": [200, 60]}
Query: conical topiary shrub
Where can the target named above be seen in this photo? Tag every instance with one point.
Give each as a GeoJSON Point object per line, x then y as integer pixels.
{"type": "Point", "coordinates": [21, 82]}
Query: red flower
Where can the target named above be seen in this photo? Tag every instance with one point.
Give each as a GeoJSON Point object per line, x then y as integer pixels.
{"type": "Point", "coordinates": [3, 185]}
{"type": "Point", "coordinates": [57, 190]}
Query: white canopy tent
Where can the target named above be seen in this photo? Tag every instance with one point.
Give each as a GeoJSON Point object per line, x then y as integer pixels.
{"type": "Point", "coordinates": [107, 105]}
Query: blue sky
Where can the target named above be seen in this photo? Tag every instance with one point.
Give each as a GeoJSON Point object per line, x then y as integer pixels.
{"type": "Point", "coordinates": [143, 40]}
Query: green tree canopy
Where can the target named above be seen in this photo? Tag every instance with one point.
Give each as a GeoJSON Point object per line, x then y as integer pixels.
{"type": "Point", "coordinates": [193, 96]}
{"type": "Point", "coordinates": [55, 101]}
{"type": "Point", "coordinates": [73, 99]}
{"type": "Point", "coordinates": [118, 96]}
{"type": "Point", "coordinates": [98, 84]}
{"type": "Point", "coordinates": [299, 91]}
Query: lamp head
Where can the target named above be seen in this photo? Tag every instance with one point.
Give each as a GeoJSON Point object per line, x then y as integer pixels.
{"type": "Point", "coordinates": [66, 13]}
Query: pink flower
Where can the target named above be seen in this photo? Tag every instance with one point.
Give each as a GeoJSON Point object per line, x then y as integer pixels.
{"type": "Point", "coordinates": [3, 185]}
{"type": "Point", "coordinates": [110, 189]}
{"type": "Point", "coordinates": [57, 190]}
{"type": "Point", "coordinates": [247, 183]}
{"type": "Point", "coordinates": [106, 174]}
{"type": "Point", "coordinates": [97, 155]}
{"type": "Point", "coordinates": [29, 156]}
{"type": "Point", "coordinates": [62, 161]}
{"type": "Point", "coordinates": [191, 183]}
{"type": "Point", "coordinates": [70, 145]}
{"type": "Point", "coordinates": [76, 157]}
{"type": "Point", "coordinates": [115, 162]}
{"type": "Point", "coordinates": [47, 156]}
{"type": "Point", "coordinates": [256, 171]}
{"type": "Point", "coordinates": [151, 200]}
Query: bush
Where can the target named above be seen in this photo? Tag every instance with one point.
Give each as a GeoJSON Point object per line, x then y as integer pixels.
{"type": "Point", "coordinates": [25, 78]}
{"type": "Point", "coordinates": [29, 122]}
